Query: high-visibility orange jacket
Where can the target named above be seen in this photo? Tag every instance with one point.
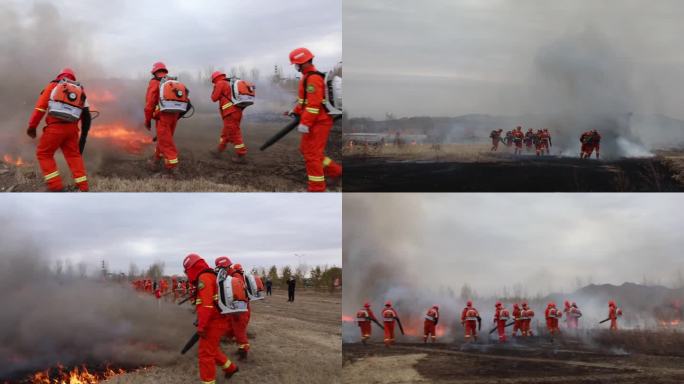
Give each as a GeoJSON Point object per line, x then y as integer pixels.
{"type": "Point", "coordinates": [310, 98]}
{"type": "Point", "coordinates": [152, 100]}
{"type": "Point", "coordinates": [224, 95]}
{"type": "Point", "coordinates": [207, 296]}
{"type": "Point", "coordinates": [41, 107]}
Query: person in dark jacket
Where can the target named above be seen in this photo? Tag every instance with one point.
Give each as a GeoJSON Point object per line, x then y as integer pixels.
{"type": "Point", "coordinates": [291, 288]}
{"type": "Point", "coordinates": [269, 286]}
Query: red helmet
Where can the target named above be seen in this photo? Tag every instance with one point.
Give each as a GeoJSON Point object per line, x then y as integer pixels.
{"type": "Point", "coordinates": [611, 303]}
{"type": "Point", "coordinates": [300, 56]}
{"type": "Point", "coordinates": [216, 74]}
{"type": "Point", "coordinates": [567, 303]}
{"type": "Point", "coordinates": [366, 305]}
{"type": "Point", "coordinates": [498, 304]}
{"type": "Point", "coordinates": [388, 303]}
{"type": "Point", "coordinates": [223, 262]}
{"type": "Point", "coordinates": [194, 265]}
{"type": "Point", "coordinates": [159, 66]}
{"type": "Point", "coordinates": [516, 305]}
{"type": "Point", "coordinates": [436, 307]}
{"type": "Point", "coordinates": [469, 303]}
{"type": "Point", "coordinates": [238, 268]}
{"type": "Point", "coordinates": [524, 303]}
{"type": "Point", "coordinates": [67, 72]}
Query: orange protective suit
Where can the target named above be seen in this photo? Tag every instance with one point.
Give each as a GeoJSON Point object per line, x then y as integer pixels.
{"type": "Point", "coordinates": [231, 115]}
{"type": "Point", "coordinates": [501, 316]}
{"type": "Point", "coordinates": [58, 134]}
{"type": "Point", "coordinates": [240, 321]}
{"type": "Point", "coordinates": [613, 314]}
{"type": "Point", "coordinates": [364, 316]}
{"type": "Point", "coordinates": [389, 316]}
{"type": "Point", "coordinates": [165, 123]}
{"type": "Point", "coordinates": [211, 326]}
{"type": "Point", "coordinates": [517, 325]}
{"type": "Point", "coordinates": [430, 324]}
{"type": "Point", "coordinates": [518, 137]}
{"type": "Point", "coordinates": [312, 114]}
{"type": "Point", "coordinates": [469, 319]}
{"type": "Point", "coordinates": [526, 318]}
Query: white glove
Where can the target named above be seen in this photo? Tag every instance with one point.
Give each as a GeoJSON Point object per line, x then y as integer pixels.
{"type": "Point", "coordinates": [302, 128]}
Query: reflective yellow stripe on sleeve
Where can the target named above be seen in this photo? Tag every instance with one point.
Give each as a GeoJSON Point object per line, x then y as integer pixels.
{"type": "Point", "coordinates": [52, 175]}
{"type": "Point", "coordinates": [300, 101]}
{"type": "Point", "coordinates": [226, 105]}
{"type": "Point", "coordinates": [314, 111]}
{"type": "Point", "coordinates": [316, 178]}
{"type": "Point", "coordinates": [80, 179]}
{"type": "Point", "coordinates": [227, 364]}
{"type": "Point", "coordinates": [41, 109]}
{"type": "Point", "coordinates": [240, 146]}
{"type": "Point", "coordinates": [327, 161]}
{"type": "Point", "coordinates": [198, 301]}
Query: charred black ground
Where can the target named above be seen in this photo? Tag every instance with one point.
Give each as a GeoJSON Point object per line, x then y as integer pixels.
{"type": "Point", "coordinates": [607, 359]}
{"type": "Point", "coordinates": [529, 174]}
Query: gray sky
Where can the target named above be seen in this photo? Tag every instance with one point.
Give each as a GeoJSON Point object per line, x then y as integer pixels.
{"type": "Point", "coordinates": [254, 229]}
{"type": "Point", "coordinates": [544, 241]}
{"type": "Point", "coordinates": [453, 57]}
{"type": "Point", "coordinates": [127, 36]}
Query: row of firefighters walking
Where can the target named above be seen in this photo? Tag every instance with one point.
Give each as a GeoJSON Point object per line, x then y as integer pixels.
{"type": "Point", "coordinates": [520, 318]}
{"type": "Point", "coordinates": [540, 141]}
{"type": "Point", "coordinates": [167, 100]}
{"type": "Point", "coordinates": [221, 297]}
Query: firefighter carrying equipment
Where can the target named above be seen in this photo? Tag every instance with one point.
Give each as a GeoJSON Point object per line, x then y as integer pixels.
{"type": "Point", "coordinates": [332, 101]}
{"type": "Point", "coordinates": [67, 100]}
{"type": "Point", "coordinates": [232, 297]}
{"type": "Point", "coordinates": [173, 95]}
{"type": "Point", "coordinates": [255, 287]}
{"type": "Point", "coordinates": [243, 93]}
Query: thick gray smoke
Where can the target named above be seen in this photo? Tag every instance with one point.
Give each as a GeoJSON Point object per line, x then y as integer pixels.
{"type": "Point", "coordinates": [419, 250]}
{"type": "Point", "coordinates": [49, 319]}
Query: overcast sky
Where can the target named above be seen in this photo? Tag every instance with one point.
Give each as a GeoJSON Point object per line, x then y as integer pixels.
{"type": "Point", "coordinates": [127, 36]}
{"type": "Point", "coordinates": [453, 57]}
{"type": "Point", "coordinates": [254, 229]}
{"type": "Point", "coordinates": [544, 241]}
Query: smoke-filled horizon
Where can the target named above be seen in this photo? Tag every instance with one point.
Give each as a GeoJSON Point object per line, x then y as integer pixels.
{"type": "Point", "coordinates": [124, 37]}
{"type": "Point", "coordinates": [449, 58]}
{"type": "Point", "coordinates": [255, 230]}
{"type": "Point", "coordinates": [546, 243]}
{"type": "Point", "coordinates": [419, 250]}
{"type": "Point", "coordinates": [613, 65]}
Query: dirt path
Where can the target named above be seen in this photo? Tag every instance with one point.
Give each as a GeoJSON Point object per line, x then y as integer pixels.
{"type": "Point", "coordinates": [291, 343]}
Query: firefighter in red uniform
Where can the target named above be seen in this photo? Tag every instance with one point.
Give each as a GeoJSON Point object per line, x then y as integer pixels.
{"type": "Point", "coordinates": [529, 139]}
{"type": "Point", "coordinates": [552, 314]}
{"type": "Point", "coordinates": [165, 122]}
{"type": "Point", "coordinates": [65, 102]}
{"type": "Point", "coordinates": [210, 324]}
{"type": "Point", "coordinates": [314, 122]}
{"type": "Point", "coordinates": [613, 313]}
{"type": "Point", "coordinates": [526, 317]}
{"type": "Point", "coordinates": [231, 115]}
{"type": "Point", "coordinates": [364, 316]}
{"type": "Point", "coordinates": [591, 140]}
{"type": "Point", "coordinates": [518, 137]}
{"type": "Point", "coordinates": [389, 318]}
{"type": "Point", "coordinates": [240, 320]}
{"type": "Point", "coordinates": [469, 319]}
{"type": "Point", "coordinates": [573, 316]}
{"type": "Point", "coordinates": [496, 139]}
{"type": "Point", "coordinates": [543, 142]}
{"type": "Point", "coordinates": [501, 316]}
{"type": "Point", "coordinates": [517, 324]}
{"type": "Point", "coordinates": [430, 324]}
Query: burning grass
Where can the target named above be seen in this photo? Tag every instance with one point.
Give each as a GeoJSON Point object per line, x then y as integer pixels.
{"type": "Point", "coordinates": [122, 137]}
{"type": "Point", "coordinates": [77, 375]}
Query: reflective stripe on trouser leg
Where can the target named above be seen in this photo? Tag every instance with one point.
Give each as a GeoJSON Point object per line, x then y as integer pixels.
{"type": "Point", "coordinates": [312, 147]}
{"type": "Point", "coordinates": [167, 147]}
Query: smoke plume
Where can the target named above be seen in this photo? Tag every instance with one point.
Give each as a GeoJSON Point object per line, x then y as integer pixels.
{"type": "Point", "coordinates": [49, 318]}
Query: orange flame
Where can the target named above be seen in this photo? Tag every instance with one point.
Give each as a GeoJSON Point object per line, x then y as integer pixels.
{"type": "Point", "coordinates": [121, 136]}
{"type": "Point", "coordinates": [16, 161]}
{"type": "Point", "coordinates": [75, 376]}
